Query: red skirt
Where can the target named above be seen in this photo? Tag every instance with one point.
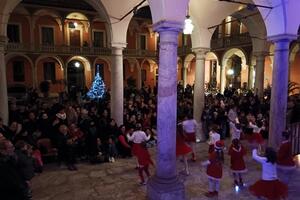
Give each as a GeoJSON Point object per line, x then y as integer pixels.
{"type": "Point", "coordinates": [182, 149]}
{"type": "Point", "coordinates": [142, 154]}
{"type": "Point", "coordinates": [190, 137]}
{"type": "Point", "coordinates": [272, 190]}
{"type": "Point", "coordinates": [211, 148]}
{"type": "Point", "coordinates": [255, 137]}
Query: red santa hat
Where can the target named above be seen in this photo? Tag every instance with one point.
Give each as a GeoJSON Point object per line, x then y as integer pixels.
{"type": "Point", "coordinates": [219, 144]}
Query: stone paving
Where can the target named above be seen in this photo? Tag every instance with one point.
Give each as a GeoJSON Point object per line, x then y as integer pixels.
{"type": "Point", "coordinates": [119, 181]}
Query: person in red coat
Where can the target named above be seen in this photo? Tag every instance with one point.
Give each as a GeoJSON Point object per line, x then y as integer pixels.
{"type": "Point", "coordinates": [214, 169]}
{"type": "Point", "coordinates": [182, 149]}
{"type": "Point", "coordinates": [237, 163]}
{"type": "Point", "coordinates": [285, 161]}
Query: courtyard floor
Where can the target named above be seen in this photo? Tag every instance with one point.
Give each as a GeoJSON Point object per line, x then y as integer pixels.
{"type": "Point", "coordinates": [119, 181]}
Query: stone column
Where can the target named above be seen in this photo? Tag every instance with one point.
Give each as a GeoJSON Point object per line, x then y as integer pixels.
{"type": "Point", "coordinates": [259, 74]}
{"type": "Point", "coordinates": [250, 77]}
{"type": "Point", "coordinates": [199, 94]}
{"type": "Point", "coordinates": [117, 83]}
{"type": "Point", "coordinates": [164, 185]}
{"type": "Point", "coordinates": [279, 92]}
{"type": "Point", "coordinates": [222, 79]}
{"type": "Point", "coordinates": [139, 78]}
{"type": "Point", "coordinates": [184, 68]}
{"type": "Point", "coordinates": [3, 83]}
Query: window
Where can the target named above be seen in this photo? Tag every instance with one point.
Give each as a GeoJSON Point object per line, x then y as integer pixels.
{"type": "Point", "coordinates": [49, 71]}
{"type": "Point", "coordinates": [143, 42]}
{"type": "Point", "coordinates": [18, 67]}
{"type": "Point", "coordinates": [13, 33]}
{"type": "Point", "coordinates": [98, 39]}
{"type": "Point", "coordinates": [47, 36]}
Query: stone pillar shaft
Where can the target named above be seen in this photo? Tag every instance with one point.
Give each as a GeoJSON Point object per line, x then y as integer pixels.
{"type": "Point", "coordinates": [222, 79]}
{"type": "Point", "coordinates": [199, 93]}
{"type": "Point", "coordinates": [117, 93]}
{"type": "Point", "coordinates": [184, 77]}
{"type": "Point", "coordinates": [279, 94]}
{"type": "Point", "coordinates": [167, 104]}
{"type": "Point", "coordinates": [165, 185]}
{"type": "Point", "coordinates": [259, 75]}
{"type": "Point", "coordinates": [3, 83]}
{"type": "Point", "coordinates": [250, 77]}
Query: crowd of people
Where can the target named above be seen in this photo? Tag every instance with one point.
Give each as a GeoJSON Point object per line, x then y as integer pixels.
{"type": "Point", "coordinates": [87, 132]}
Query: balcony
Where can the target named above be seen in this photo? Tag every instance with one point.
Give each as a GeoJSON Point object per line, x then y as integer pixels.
{"type": "Point", "coordinates": [63, 50]}
{"type": "Point", "coordinates": [87, 51]}
{"type": "Point", "coordinates": [231, 41]}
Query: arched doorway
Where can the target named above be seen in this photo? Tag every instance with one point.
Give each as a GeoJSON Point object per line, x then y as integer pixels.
{"type": "Point", "coordinates": [75, 76]}
{"type": "Point", "coordinates": [236, 70]}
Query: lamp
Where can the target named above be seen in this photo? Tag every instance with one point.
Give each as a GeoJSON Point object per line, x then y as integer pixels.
{"type": "Point", "coordinates": [230, 72]}
{"type": "Point", "coordinates": [188, 25]}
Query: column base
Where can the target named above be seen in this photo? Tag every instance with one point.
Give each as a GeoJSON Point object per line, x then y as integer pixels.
{"type": "Point", "coordinates": [165, 189]}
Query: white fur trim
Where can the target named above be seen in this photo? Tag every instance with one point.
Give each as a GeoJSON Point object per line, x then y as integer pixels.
{"type": "Point", "coordinates": [239, 171]}
{"type": "Point", "coordinates": [213, 178]}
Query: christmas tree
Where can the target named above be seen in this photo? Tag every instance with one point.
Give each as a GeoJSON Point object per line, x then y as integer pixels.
{"type": "Point", "coordinates": [98, 87]}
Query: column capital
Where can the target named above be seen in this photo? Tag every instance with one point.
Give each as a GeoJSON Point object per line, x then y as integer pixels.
{"type": "Point", "coordinates": [282, 37]}
{"type": "Point", "coordinates": [165, 25]}
{"type": "Point", "coordinates": [260, 55]}
{"type": "Point", "coordinates": [200, 52]}
{"type": "Point", "coordinates": [118, 45]}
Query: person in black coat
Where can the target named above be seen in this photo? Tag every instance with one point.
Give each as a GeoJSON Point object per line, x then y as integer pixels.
{"type": "Point", "coordinates": [12, 186]}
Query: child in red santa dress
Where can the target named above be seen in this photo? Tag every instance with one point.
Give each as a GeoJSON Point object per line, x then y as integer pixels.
{"type": "Point", "coordinates": [268, 187]}
{"type": "Point", "coordinates": [182, 149]}
{"type": "Point", "coordinates": [285, 162]}
{"type": "Point", "coordinates": [237, 163]}
{"type": "Point", "coordinates": [214, 169]}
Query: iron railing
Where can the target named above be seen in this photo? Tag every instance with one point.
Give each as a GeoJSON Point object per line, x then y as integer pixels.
{"type": "Point", "coordinates": [231, 41]}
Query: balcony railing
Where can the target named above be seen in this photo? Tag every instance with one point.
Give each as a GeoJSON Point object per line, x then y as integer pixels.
{"type": "Point", "coordinates": [71, 50]}
{"type": "Point", "coordinates": [27, 48]}
{"type": "Point", "coordinates": [231, 41]}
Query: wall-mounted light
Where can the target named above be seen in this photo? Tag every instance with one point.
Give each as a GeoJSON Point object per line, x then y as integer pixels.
{"type": "Point", "coordinates": [77, 64]}
{"type": "Point", "coordinates": [73, 24]}
{"type": "Point", "coordinates": [230, 72]}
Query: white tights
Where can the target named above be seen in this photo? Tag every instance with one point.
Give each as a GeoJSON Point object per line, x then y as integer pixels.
{"type": "Point", "coordinates": [214, 185]}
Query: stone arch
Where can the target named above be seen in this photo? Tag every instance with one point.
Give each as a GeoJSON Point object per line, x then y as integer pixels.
{"type": "Point", "coordinates": [227, 72]}
{"type": "Point", "coordinates": [47, 12]}
{"type": "Point", "coordinates": [189, 69]}
{"type": "Point", "coordinates": [294, 69]}
{"type": "Point", "coordinates": [212, 69]}
{"type": "Point", "coordinates": [29, 76]}
{"type": "Point", "coordinates": [87, 68]}
{"type": "Point", "coordinates": [58, 85]}
{"type": "Point", "coordinates": [78, 16]}
{"type": "Point", "coordinates": [149, 71]}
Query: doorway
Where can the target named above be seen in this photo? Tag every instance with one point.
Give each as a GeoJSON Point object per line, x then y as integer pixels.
{"type": "Point", "coordinates": [75, 38]}
{"type": "Point", "coordinates": [75, 76]}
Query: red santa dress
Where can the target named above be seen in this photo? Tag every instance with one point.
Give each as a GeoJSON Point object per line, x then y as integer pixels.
{"type": "Point", "coordinates": [214, 168]}
{"type": "Point", "coordinates": [237, 163]}
{"type": "Point", "coordinates": [285, 157]}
